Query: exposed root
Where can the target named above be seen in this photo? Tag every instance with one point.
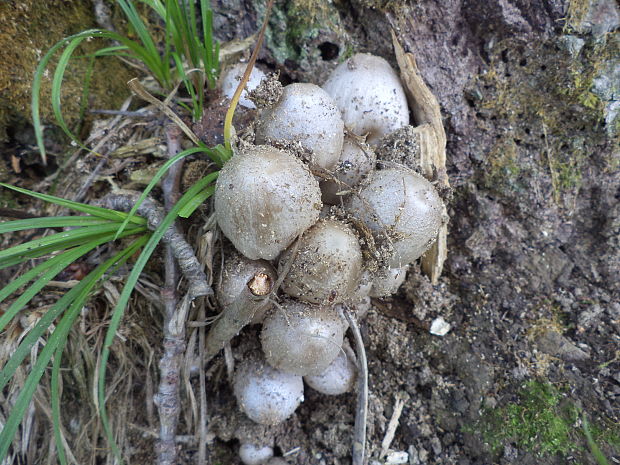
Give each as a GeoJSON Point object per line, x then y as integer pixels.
{"type": "Point", "coordinates": [167, 399]}
{"type": "Point", "coordinates": [361, 410]}
{"type": "Point", "coordinates": [182, 251]}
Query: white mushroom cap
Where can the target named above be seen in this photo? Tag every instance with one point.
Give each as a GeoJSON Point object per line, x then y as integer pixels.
{"type": "Point", "coordinates": [251, 454]}
{"type": "Point", "coordinates": [387, 281]}
{"type": "Point", "coordinates": [264, 198]}
{"type": "Point", "coordinates": [327, 265]}
{"type": "Point", "coordinates": [232, 77]}
{"type": "Point", "coordinates": [356, 161]}
{"type": "Point", "coordinates": [302, 338]}
{"type": "Point", "coordinates": [405, 207]}
{"type": "Point", "coordinates": [370, 96]}
{"type": "Point", "coordinates": [337, 379]}
{"type": "Point", "coordinates": [266, 395]}
{"type": "Point", "coordinates": [306, 114]}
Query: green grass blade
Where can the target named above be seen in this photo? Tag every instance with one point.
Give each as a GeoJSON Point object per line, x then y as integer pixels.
{"type": "Point", "coordinates": [86, 92]}
{"type": "Point", "coordinates": [132, 279]}
{"type": "Point", "coordinates": [40, 252]}
{"type": "Point", "coordinates": [160, 173]}
{"type": "Point", "coordinates": [158, 6]}
{"type": "Point", "coordinates": [38, 78]}
{"type": "Point", "coordinates": [49, 222]}
{"type": "Point", "coordinates": [179, 19]}
{"type": "Point", "coordinates": [111, 51]}
{"type": "Point", "coordinates": [592, 445]}
{"type": "Point", "coordinates": [211, 59]}
{"type": "Point", "coordinates": [59, 74]}
{"type": "Point", "coordinates": [149, 47]}
{"type": "Point", "coordinates": [53, 266]}
{"type": "Point", "coordinates": [195, 109]}
{"type": "Point", "coordinates": [99, 212]}
{"type": "Point", "coordinates": [86, 233]}
{"type": "Point", "coordinates": [72, 302]}
{"type": "Point", "coordinates": [196, 201]}
{"type": "Point", "coordinates": [193, 39]}
{"type": "Point", "coordinates": [47, 273]}
{"type": "Point", "coordinates": [55, 398]}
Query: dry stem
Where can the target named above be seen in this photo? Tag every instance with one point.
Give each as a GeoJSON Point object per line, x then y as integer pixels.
{"type": "Point", "coordinates": [167, 398]}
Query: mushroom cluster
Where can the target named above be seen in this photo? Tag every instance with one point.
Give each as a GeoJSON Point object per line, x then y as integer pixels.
{"type": "Point", "coordinates": [309, 199]}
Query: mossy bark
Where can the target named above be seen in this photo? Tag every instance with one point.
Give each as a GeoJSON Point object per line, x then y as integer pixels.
{"type": "Point", "coordinates": [29, 29]}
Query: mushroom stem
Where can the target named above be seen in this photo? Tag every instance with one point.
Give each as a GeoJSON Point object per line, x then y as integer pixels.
{"type": "Point", "coordinates": [239, 313]}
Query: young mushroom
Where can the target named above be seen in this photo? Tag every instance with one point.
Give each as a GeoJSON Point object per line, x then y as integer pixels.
{"type": "Point", "coordinates": [302, 339]}
{"type": "Point", "coordinates": [232, 77]}
{"type": "Point", "coordinates": [402, 207]}
{"type": "Point", "coordinates": [326, 265]}
{"type": "Point", "coordinates": [251, 454]}
{"type": "Point", "coordinates": [306, 114]}
{"type": "Point", "coordinates": [370, 96]}
{"type": "Point", "coordinates": [337, 378]}
{"type": "Point", "coordinates": [356, 161]}
{"type": "Point", "coordinates": [264, 198]}
{"type": "Point", "coordinates": [266, 395]}
{"type": "Point", "coordinates": [387, 281]}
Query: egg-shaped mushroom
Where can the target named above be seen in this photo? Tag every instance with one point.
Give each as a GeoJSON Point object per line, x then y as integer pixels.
{"type": "Point", "coordinates": [370, 96]}
{"type": "Point", "coordinates": [356, 161]}
{"type": "Point", "coordinates": [266, 395]}
{"type": "Point", "coordinates": [387, 281]}
{"type": "Point", "coordinates": [231, 78]}
{"type": "Point", "coordinates": [401, 207]}
{"type": "Point", "coordinates": [252, 454]}
{"type": "Point", "coordinates": [264, 198]}
{"type": "Point", "coordinates": [326, 267]}
{"type": "Point", "coordinates": [306, 114]}
{"type": "Point", "coordinates": [301, 338]}
{"type": "Point", "coordinates": [337, 378]}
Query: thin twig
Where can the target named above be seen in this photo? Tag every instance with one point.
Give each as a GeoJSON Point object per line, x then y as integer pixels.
{"type": "Point", "coordinates": [141, 92]}
{"type": "Point", "coordinates": [167, 399]}
{"type": "Point", "coordinates": [136, 114]}
{"type": "Point", "coordinates": [390, 432]}
{"type": "Point", "coordinates": [81, 193]}
{"type": "Point", "coordinates": [361, 411]}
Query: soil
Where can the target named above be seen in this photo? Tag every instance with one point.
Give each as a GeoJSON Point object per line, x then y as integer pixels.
{"type": "Point", "coordinates": [531, 287]}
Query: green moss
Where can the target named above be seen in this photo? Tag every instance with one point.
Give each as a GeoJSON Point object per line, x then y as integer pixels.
{"type": "Point", "coordinates": [545, 98]}
{"type": "Point", "coordinates": [541, 421]}
{"type": "Point", "coordinates": [533, 422]}
{"type": "Point", "coordinates": [293, 25]}
{"type": "Point", "coordinates": [29, 29]}
{"type": "Point", "coordinates": [502, 169]}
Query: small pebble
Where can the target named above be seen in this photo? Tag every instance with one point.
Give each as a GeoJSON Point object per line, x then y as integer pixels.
{"type": "Point", "coordinates": [396, 457]}
{"type": "Point", "coordinates": [440, 327]}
